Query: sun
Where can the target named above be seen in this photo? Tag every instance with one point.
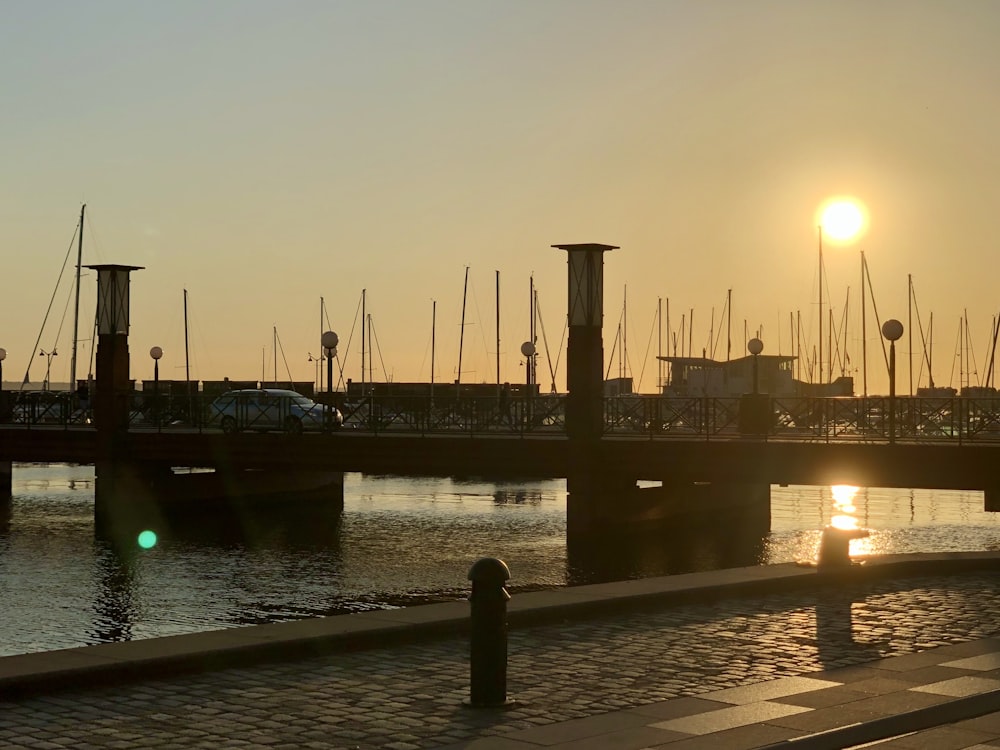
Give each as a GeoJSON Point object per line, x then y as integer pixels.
{"type": "Point", "coordinates": [842, 219]}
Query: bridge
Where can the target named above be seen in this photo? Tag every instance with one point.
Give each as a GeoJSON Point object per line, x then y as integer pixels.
{"type": "Point", "coordinates": [709, 454]}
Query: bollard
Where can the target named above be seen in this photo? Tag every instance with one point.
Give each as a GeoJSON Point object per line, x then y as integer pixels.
{"type": "Point", "coordinates": [488, 641]}
{"type": "Point", "coordinates": [835, 545]}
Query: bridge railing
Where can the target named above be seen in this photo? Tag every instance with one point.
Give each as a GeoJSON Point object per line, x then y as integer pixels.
{"type": "Point", "coordinates": [467, 414]}
{"type": "Point", "coordinates": [841, 418]}
{"type": "Point", "coordinates": [954, 419]}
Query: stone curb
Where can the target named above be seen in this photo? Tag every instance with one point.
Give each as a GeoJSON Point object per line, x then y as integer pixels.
{"type": "Point", "coordinates": [131, 661]}
{"type": "Point", "coordinates": [908, 722]}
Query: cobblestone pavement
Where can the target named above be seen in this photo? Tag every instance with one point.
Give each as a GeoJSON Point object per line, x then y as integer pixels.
{"type": "Point", "coordinates": [409, 697]}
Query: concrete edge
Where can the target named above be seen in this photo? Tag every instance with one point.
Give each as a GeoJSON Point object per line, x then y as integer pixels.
{"type": "Point", "coordinates": [857, 735]}
{"type": "Point", "coordinates": [117, 663]}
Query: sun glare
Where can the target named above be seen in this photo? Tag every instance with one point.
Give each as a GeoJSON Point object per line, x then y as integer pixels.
{"type": "Point", "coordinates": [843, 219]}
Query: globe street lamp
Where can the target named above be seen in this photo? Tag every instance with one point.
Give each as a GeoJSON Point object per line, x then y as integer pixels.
{"type": "Point", "coordinates": [329, 340]}
{"type": "Point", "coordinates": [156, 352]}
{"type": "Point", "coordinates": [892, 329]}
{"type": "Point", "coordinates": [755, 347]}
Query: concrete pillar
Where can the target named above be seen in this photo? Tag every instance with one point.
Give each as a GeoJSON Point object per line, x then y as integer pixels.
{"type": "Point", "coordinates": [585, 346]}
{"type": "Point", "coordinates": [6, 483]}
{"type": "Point", "coordinates": [991, 499]}
{"type": "Point", "coordinates": [118, 483]}
{"type": "Point", "coordinates": [589, 485]}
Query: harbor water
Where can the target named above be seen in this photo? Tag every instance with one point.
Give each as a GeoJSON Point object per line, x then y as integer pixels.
{"type": "Point", "coordinates": [399, 541]}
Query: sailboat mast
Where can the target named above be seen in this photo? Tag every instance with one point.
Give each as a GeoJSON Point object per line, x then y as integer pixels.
{"type": "Point", "coordinates": [691, 333]}
{"type": "Point", "coordinates": [864, 331]}
{"type": "Point", "coordinates": [729, 323]}
{"type": "Point", "coordinates": [76, 311]}
{"type": "Point", "coordinates": [624, 353]}
{"type": "Point", "coordinates": [498, 332]}
{"type": "Point", "coordinates": [659, 344]}
{"type": "Point", "coordinates": [820, 347]}
{"type": "Point", "coordinates": [433, 341]}
{"type": "Point", "coordinates": [909, 324]}
{"type": "Point", "coordinates": [461, 332]}
{"type": "Point", "coordinates": [930, 350]}
{"type": "Point", "coordinates": [322, 349]}
{"type": "Point", "coordinates": [187, 356]}
{"type": "Point", "coordinates": [363, 293]}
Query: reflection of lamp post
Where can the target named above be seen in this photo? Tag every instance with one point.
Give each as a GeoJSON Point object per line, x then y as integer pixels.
{"type": "Point", "coordinates": [329, 340]}
{"type": "Point", "coordinates": [156, 352]}
{"type": "Point", "coordinates": [755, 347]}
{"type": "Point", "coordinates": [48, 365]}
{"type": "Point", "coordinates": [892, 330]}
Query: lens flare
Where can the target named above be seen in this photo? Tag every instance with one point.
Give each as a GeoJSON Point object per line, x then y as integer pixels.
{"type": "Point", "coordinates": [147, 539]}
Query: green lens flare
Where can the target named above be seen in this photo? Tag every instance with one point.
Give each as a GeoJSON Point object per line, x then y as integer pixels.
{"type": "Point", "coordinates": [147, 539]}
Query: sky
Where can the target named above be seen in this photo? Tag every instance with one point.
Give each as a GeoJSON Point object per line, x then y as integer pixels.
{"type": "Point", "coordinates": [263, 156]}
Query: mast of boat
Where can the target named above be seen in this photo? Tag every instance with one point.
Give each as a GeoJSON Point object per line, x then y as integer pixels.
{"type": "Point", "coordinates": [529, 359]}
{"type": "Point", "coordinates": [363, 295]}
{"type": "Point", "coordinates": [433, 342]}
{"type": "Point", "coordinates": [829, 343]}
{"type": "Point", "coordinates": [187, 357]}
{"type": "Point", "coordinates": [322, 349]}
{"type": "Point", "coordinates": [820, 347]}
{"type": "Point", "coordinates": [909, 324]}
{"type": "Point", "coordinates": [930, 350]}
{"type": "Point", "coordinates": [993, 352]}
{"type": "Point", "coordinates": [691, 334]}
{"type": "Point", "coordinates": [76, 311]}
{"type": "Point", "coordinates": [274, 344]}
{"type": "Point", "coordinates": [498, 332]}
{"type": "Point", "coordinates": [961, 355]}
{"type": "Point", "coordinates": [864, 331]}
{"type": "Point", "coordinates": [729, 323]}
{"type": "Point", "coordinates": [461, 333]}
{"type": "Point", "coordinates": [623, 352]}
{"type": "Point", "coordinates": [798, 342]}
{"type": "Point", "coordinates": [659, 343]}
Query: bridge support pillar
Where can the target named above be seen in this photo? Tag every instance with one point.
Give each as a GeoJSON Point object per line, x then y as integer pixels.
{"type": "Point", "coordinates": [124, 502]}
{"type": "Point", "coordinates": [6, 482]}
{"type": "Point", "coordinates": [991, 500]}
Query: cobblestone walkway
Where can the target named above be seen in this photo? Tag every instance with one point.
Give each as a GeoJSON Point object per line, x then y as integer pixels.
{"type": "Point", "coordinates": [410, 697]}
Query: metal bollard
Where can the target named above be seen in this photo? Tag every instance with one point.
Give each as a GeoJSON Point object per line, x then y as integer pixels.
{"type": "Point", "coordinates": [488, 641]}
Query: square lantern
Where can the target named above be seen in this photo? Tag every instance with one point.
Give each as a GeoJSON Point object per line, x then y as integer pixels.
{"type": "Point", "coordinates": [586, 283]}
{"type": "Point", "coordinates": [112, 298]}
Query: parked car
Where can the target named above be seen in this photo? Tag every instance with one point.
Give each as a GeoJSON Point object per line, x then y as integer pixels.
{"type": "Point", "coordinates": [267, 409]}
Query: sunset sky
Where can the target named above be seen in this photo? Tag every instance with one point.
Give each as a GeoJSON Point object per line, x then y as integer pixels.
{"type": "Point", "coordinates": [263, 155]}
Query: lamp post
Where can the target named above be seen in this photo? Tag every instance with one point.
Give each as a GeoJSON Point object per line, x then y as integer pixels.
{"type": "Point", "coordinates": [48, 365]}
{"type": "Point", "coordinates": [528, 351]}
{"type": "Point", "coordinates": [156, 352]}
{"type": "Point", "coordinates": [329, 340]}
{"type": "Point", "coordinates": [892, 329]}
{"type": "Point", "coordinates": [755, 347]}
{"type": "Point", "coordinates": [3, 410]}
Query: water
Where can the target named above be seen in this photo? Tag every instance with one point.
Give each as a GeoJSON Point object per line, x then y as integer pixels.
{"type": "Point", "coordinates": [398, 541]}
